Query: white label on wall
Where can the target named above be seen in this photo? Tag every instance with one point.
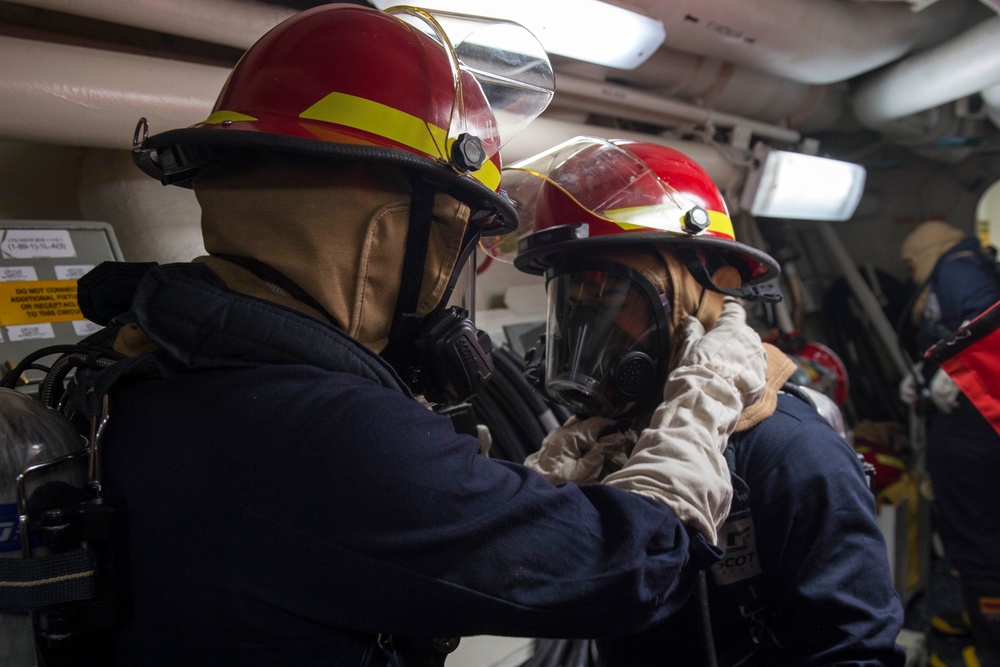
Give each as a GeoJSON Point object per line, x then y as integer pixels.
{"type": "Point", "coordinates": [85, 327]}
{"type": "Point", "coordinates": [72, 271]}
{"type": "Point", "coordinates": [30, 332]}
{"type": "Point", "coordinates": [17, 273]}
{"type": "Point", "coordinates": [23, 243]}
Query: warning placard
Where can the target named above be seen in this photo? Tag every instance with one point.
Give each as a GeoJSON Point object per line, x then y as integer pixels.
{"type": "Point", "coordinates": [31, 302]}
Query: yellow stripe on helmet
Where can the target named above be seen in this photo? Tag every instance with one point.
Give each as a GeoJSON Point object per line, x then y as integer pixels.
{"type": "Point", "coordinates": [393, 124]}
{"type": "Point", "coordinates": [218, 117]}
{"type": "Point", "coordinates": [666, 218]}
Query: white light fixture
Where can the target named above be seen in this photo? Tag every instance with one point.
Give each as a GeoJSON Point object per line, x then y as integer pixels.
{"type": "Point", "coordinates": [802, 187]}
{"type": "Point", "coordinates": [588, 30]}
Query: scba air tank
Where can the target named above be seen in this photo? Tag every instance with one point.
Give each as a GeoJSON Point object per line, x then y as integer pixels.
{"type": "Point", "coordinates": [30, 434]}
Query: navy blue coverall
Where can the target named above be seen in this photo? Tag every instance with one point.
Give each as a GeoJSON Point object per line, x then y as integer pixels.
{"type": "Point", "coordinates": [288, 500]}
{"type": "Point", "coordinates": [825, 593]}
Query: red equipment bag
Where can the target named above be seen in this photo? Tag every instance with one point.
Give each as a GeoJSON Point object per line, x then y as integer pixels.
{"type": "Point", "coordinates": [971, 357]}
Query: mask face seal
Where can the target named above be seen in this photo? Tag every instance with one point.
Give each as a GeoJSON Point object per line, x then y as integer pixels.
{"type": "Point", "coordinates": [607, 339]}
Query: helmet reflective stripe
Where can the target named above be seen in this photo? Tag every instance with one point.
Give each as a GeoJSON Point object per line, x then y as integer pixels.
{"type": "Point", "coordinates": [378, 119]}
{"type": "Point", "coordinates": [667, 219]}
{"type": "Point", "coordinates": [395, 125]}
{"type": "Point", "coordinates": [221, 116]}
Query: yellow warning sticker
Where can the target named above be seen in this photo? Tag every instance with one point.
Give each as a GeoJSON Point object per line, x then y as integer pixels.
{"type": "Point", "coordinates": [31, 302]}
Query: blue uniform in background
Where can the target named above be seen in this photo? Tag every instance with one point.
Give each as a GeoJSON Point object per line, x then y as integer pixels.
{"type": "Point", "coordinates": [963, 450]}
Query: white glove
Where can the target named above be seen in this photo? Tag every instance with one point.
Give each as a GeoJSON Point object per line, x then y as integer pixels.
{"type": "Point", "coordinates": [944, 392]}
{"type": "Point", "coordinates": [678, 459]}
{"type": "Point", "coordinates": [576, 451]}
{"type": "Point", "coordinates": [908, 390]}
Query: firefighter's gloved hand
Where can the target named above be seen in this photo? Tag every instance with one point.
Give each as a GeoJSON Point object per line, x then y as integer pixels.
{"type": "Point", "coordinates": [909, 392]}
{"type": "Point", "coordinates": [577, 450]}
{"type": "Point", "coordinates": [944, 392]}
{"type": "Point", "coordinates": [678, 459]}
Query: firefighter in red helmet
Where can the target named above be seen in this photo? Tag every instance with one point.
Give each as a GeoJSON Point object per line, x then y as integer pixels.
{"type": "Point", "coordinates": [290, 498]}
{"type": "Point", "coordinates": [628, 231]}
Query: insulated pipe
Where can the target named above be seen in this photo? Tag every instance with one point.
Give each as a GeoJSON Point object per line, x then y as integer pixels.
{"type": "Point", "coordinates": [237, 23]}
{"type": "Point", "coordinates": [60, 94]}
{"type": "Point", "coordinates": [624, 102]}
{"type": "Point", "coordinates": [737, 90]}
{"type": "Point", "coordinates": [965, 65]}
{"type": "Point", "coordinates": [819, 41]}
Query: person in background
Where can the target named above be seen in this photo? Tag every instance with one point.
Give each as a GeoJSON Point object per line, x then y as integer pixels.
{"type": "Point", "coordinates": [293, 495]}
{"type": "Point", "coordinates": [639, 258]}
{"type": "Point", "coordinates": [956, 280]}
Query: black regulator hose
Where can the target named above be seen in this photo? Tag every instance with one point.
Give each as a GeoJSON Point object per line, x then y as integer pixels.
{"type": "Point", "coordinates": [512, 368]}
{"type": "Point", "coordinates": [519, 418]}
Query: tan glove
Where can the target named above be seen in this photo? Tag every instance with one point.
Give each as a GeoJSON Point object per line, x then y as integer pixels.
{"type": "Point", "coordinates": [678, 459]}
{"type": "Point", "coordinates": [944, 392]}
{"type": "Point", "coordinates": [576, 451]}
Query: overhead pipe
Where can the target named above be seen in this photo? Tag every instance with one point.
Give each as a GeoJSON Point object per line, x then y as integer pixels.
{"type": "Point", "coordinates": [77, 96]}
{"type": "Point", "coordinates": [815, 42]}
{"type": "Point", "coordinates": [738, 90]}
{"type": "Point", "coordinates": [832, 41]}
{"type": "Point", "coordinates": [627, 103]}
{"type": "Point", "coordinates": [963, 66]}
{"type": "Point", "coordinates": [236, 23]}
{"type": "Point", "coordinates": [819, 42]}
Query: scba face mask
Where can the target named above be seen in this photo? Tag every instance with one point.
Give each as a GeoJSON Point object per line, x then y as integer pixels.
{"type": "Point", "coordinates": [607, 343]}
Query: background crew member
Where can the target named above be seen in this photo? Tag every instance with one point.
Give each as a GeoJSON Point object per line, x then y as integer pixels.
{"type": "Point", "coordinates": [956, 281]}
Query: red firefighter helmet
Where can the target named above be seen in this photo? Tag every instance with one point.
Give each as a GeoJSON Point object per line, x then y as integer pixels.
{"type": "Point", "coordinates": [433, 92]}
{"type": "Point", "coordinates": [591, 192]}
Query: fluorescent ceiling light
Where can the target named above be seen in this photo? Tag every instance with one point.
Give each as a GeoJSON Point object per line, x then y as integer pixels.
{"type": "Point", "coordinates": [586, 30]}
{"type": "Point", "coordinates": [803, 187]}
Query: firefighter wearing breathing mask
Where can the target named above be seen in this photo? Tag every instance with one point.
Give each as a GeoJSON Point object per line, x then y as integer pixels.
{"type": "Point", "coordinates": [644, 339]}
{"type": "Point", "coordinates": [290, 497]}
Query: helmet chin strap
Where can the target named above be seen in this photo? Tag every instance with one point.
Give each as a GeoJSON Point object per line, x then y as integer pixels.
{"type": "Point", "coordinates": [698, 269]}
{"type": "Point", "coordinates": [440, 355]}
{"type": "Point", "coordinates": [405, 320]}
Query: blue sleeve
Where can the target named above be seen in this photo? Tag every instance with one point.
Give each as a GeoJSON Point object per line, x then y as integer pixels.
{"type": "Point", "coordinates": [824, 559]}
{"type": "Point", "coordinates": [413, 532]}
{"type": "Point", "coordinates": [966, 286]}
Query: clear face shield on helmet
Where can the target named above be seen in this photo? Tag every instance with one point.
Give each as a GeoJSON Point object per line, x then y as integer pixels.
{"type": "Point", "coordinates": [512, 71]}
{"type": "Point", "coordinates": [607, 339]}
{"type": "Point", "coordinates": [599, 179]}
